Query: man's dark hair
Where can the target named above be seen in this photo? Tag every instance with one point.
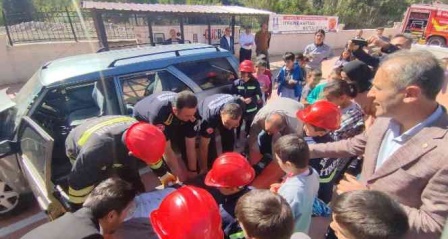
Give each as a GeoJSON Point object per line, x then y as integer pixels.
{"type": "Point", "coordinates": [420, 68]}
{"type": "Point", "coordinates": [321, 31]}
{"type": "Point", "coordinates": [380, 28]}
{"type": "Point", "coordinates": [289, 56]}
{"type": "Point", "coordinates": [113, 194]}
{"type": "Point", "coordinates": [408, 38]}
{"type": "Point", "coordinates": [370, 214]}
{"type": "Point", "coordinates": [233, 110]}
{"type": "Point", "coordinates": [291, 148]}
{"type": "Point", "coordinates": [339, 88]}
{"type": "Point", "coordinates": [185, 99]}
{"type": "Point", "coordinates": [301, 57]}
{"type": "Point", "coordinates": [265, 215]}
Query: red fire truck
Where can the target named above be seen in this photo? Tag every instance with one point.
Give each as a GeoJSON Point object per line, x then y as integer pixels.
{"type": "Point", "coordinates": [428, 23]}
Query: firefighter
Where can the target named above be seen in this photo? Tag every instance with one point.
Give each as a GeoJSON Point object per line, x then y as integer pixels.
{"type": "Point", "coordinates": [249, 91]}
{"type": "Point", "coordinates": [220, 112]}
{"type": "Point", "coordinates": [187, 213]}
{"type": "Point", "coordinates": [112, 146]}
{"type": "Point", "coordinates": [175, 114]}
{"type": "Point", "coordinates": [231, 174]}
{"type": "Point", "coordinates": [275, 119]}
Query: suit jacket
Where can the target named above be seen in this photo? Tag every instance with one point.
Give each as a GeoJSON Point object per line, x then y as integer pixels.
{"type": "Point", "coordinates": [416, 175]}
{"type": "Point", "coordinates": [223, 43]}
{"type": "Point", "coordinates": [78, 225]}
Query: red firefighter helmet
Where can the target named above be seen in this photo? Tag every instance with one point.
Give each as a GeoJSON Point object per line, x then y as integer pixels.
{"type": "Point", "coordinates": [247, 66]}
{"type": "Point", "coordinates": [187, 213]}
{"type": "Point", "coordinates": [230, 170]}
{"type": "Point", "coordinates": [322, 114]}
{"type": "Point", "coordinates": [145, 141]}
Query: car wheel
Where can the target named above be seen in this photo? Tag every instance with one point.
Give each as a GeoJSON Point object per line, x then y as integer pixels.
{"type": "Point", "coordinates": [436, 41]}
{"type": "Point", "coordinates": [9, 199]}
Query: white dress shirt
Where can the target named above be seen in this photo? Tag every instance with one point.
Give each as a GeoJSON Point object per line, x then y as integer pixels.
{"type": "Point", "coordinates": [245, 39]}
{"type": "Point", "coordinates": [392, 140]}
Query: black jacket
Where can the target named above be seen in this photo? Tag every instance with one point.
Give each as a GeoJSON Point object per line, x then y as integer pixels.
{"type": "Point", "coordinates": [250, 89]}
{"type": "Point", "coordinates": [97, 150]}
{"type": "Point", "coordinates": [372, 60]}
{"type": "Point", "coordinates": [78, 225]}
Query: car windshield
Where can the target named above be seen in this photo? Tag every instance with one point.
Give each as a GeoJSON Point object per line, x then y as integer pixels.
{"type": "Point", "coordinates": [26, 95]}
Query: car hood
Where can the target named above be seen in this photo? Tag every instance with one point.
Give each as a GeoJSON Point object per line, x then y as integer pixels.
{"type": "Point", "coordinates": [6, 115]}
{"type": "Point", "coordinates": [6, 101]}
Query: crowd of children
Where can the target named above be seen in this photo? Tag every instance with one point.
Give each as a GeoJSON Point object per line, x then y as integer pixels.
{"type": "Point", "coordinates": [223, 202]}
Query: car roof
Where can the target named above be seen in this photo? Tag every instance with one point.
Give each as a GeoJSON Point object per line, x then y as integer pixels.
{"type": "Point", "coordinates": [68, 68]}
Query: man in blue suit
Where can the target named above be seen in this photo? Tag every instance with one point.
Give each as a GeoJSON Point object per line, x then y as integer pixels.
{"type": "Point", "coordinates": [227, 41]}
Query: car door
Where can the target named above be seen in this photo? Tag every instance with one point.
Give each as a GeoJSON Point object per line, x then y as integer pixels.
{"type": "Point", "coordinates": [35, 157]}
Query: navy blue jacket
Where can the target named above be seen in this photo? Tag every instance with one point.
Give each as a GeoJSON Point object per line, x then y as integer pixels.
{"type": "Point", "coordinates": [223, 43]}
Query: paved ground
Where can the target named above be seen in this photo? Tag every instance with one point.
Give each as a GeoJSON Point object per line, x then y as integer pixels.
{"type": "Point", "coordinates": [30, 216]}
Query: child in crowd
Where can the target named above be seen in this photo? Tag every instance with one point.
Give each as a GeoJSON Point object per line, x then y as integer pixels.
{"type": "Point", "coordinates": [301, 60]}
{"type": "Point", "coordinates": [313, 78]}
{"type": "Point", "coordinates": [302, 182]}
{"type": "Point", "coordinates": [342, 93]}
{"type": "Point", "coordinates": [346, 57]}
{"type": "Point", "coordinates": [248, 90]}
{"type": "Point", "coordinates": [368, 214]}
{"type": "Point", "coordinates": [319, 120]}
{"type": "Point", "coordinates": [289, 79]}
{"type": "Point", "coordinates": [265, 82]}
{"type": "Point", "coordinates": [262, 57]}
{"type": "Point", "coordinates": [264, 215]}
{"type": "Point", "coordinates": [230, 174]}
{"type": "Point", "coordinates": [193, 208]}
{"type": "Point", "coordinates": [317, 92]}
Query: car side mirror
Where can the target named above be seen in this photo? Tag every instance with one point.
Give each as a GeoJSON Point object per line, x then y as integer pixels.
{"type": "Point", "coordinates": [7, 147]}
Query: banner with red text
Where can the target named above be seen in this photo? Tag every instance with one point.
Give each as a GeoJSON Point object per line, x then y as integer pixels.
{"type": "Point", "coordinates": [302, 23]}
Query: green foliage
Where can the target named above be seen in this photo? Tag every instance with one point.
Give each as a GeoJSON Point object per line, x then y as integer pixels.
{"type": "Point", "coordinates": [353, 13]}
{"type": "Point", "coordinates": [20, 10]}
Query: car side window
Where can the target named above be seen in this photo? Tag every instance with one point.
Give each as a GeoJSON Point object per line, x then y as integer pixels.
{"type": "Point", "coordinates": [208, 73]}
{"type": "Point", "coordinates": [136, 87]}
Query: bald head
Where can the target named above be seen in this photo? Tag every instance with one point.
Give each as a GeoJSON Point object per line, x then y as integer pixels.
{"type": "Point", "coordinates": [419, 68]}
{"type": "Point", "coordinates": [275, 122]}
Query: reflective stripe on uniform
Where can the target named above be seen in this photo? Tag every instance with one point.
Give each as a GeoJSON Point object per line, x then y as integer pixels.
{"type": "Point", "coordinates": [238, 235]}
{"type": "Point", "coordinates": [327, 180]}
{"type": "Point", "coordinates": [117, 165]}
{"type": "Point", "coordinates": [240, 87]}
{"type": "Point", "coordinates": [169, 120]}
{"type": "Point", "coordinates": [157, 165]}
{"type": "Point", "coordinates": [251, 87]}
{"type": "Point", "coordinates": [86, 135]}
{"type": "Point", "coordinates": [251, 110]}
{"type": "Point", "coordinates": [79, 196]}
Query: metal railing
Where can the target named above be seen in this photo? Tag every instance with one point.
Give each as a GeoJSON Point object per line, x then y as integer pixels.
{"type": "Point", "coordinates": [62, 25]}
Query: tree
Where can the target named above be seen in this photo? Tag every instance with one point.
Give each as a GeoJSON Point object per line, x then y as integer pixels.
{"type": "Point", "coordinates": [18, 10]}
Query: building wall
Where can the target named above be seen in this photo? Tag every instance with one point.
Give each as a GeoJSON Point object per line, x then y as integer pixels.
{"type": "Point", "coordinates": [18, 63]}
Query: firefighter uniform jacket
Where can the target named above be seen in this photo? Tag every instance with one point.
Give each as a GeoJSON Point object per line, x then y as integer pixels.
{"type": "Point", "coordinates": [97, 151]}
{"type": "Point", "coordinates": [157, 109]}
{"type": "Point", "coordinates": [250, 89]}
{"type": "Point", "coordinates": [210, 112]}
